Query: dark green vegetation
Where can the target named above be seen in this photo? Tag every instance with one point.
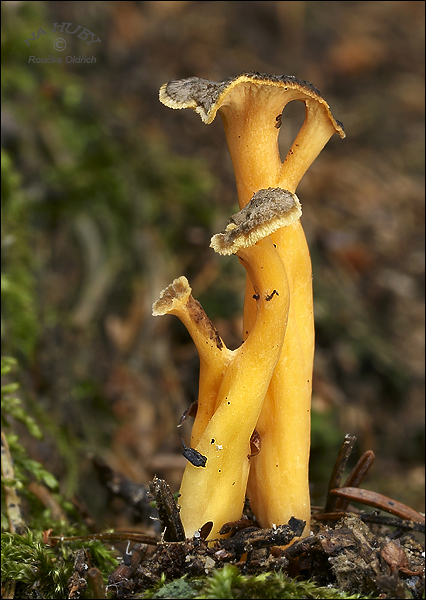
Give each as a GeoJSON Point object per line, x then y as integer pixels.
{"type": "Point", "coordinates": [229, 583]}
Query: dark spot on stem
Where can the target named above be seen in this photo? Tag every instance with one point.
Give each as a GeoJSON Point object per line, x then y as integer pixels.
{"type": "Point", "coordinates": [271, 295]}
{"type": "Point", "coordinates": [255, 444]}
{"type": "Point", "coordinates": [193, 456]}
{"type": "Point", "coordinates": [205, 529]}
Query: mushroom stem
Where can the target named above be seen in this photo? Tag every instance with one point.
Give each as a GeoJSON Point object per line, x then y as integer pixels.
{"type": "Point", "coordinates": [214, 356]}
{"type": "Point", "coordinates": [253, 145]}
{"type": "Point", "coordinates": [278, 485]}
{"type": "Point", "coordinates": [226, 440]}
{"type": "Point", "coordinates": [249, 113]}
{"type": "Point", "coordinates": [315, 132]}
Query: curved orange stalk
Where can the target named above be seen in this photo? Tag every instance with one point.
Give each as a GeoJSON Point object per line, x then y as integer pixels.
{"type": "Point", "coordinates": [217, 492]}
{"type": "Point", "coordinates": [278, 485]}
{"type": "Point", "coordinates": [214, 484]}
{"type": "Point", "coordinates": [214, 356]}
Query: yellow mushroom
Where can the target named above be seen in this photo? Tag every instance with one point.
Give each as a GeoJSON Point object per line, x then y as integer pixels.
{"type": "Point", "coordinates": [214, 489]}
{"type": "Point", "coordinates": [251, 105]}
{"type": "Point", "coordinates": [214, 356]}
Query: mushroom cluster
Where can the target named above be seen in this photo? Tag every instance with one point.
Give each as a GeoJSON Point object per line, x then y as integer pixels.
{"type": "Point", "coordinates": [251, 433]}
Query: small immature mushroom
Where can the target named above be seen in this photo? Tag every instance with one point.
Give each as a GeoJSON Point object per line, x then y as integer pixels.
{"type": "Point", "coordinates": [216, 492]}
{"type": "Point", "coordinates": [177, 300]}
{"type": "Point", "coordinates": [267, 211]}
{"type": "Point", "coordinates": [251, 105]}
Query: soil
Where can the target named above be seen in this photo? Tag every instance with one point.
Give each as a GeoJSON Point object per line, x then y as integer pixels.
{"type": "Point", "coordinates": [350, 556]}
{"type": "Point", "coordinates": [351, 553]}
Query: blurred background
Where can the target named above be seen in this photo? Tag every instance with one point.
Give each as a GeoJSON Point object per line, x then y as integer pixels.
{"type": "Point", "coordinates": [107, 196]}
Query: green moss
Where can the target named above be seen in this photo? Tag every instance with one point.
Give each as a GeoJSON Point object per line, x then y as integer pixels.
{"type": "Point", "coordinates": [19, 322]}
{"type": "Point", "coordinates": [33, 566]}
{"type": "Point", "coordinates": [230, 583]}
{"type": "Point", "coordinates": [38, 569]}
{"type": "Point", "coordinates": [25, 468]}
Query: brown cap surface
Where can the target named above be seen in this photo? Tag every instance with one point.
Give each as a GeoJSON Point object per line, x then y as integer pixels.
{"type": "Point", "coordinates": [206, 96]}
{"type": "Point", "coordinates": [267, 211]}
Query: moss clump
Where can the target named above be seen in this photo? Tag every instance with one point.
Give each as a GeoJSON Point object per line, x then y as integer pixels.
{"type": "Point", "coordinates": [29, 566]}
{"type": "Point", "coordinates": [26, 560]}
{"type": "Point", "coordinates": [19, 322]}
{"type": "Point", "coordinates": [229, 583]}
